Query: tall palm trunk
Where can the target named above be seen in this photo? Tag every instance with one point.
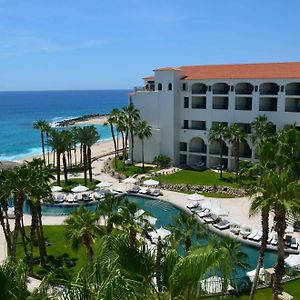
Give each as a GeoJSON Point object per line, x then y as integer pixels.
{"type": "Point", "coordinates": [221, 158]}
{"type": "Point", "coordinates": [5, 225]}
{"type": "Point", "coordinates": [33, 228]}
{"type": "Point", "coordinates": [81, 153]}
{"type": "Point", "coordinates": [65, 168]}
{"type": "Point", "coordinates": [237, 157]}
{"type": "Point", "coordinates": [18, 217]}
{"type": "Point", "coordinates": [84, 164]}
{"type": "Point", "coordinates": [158, 265]}
{"type": "Point", "coordinates": [89, 156]}
{"type": "Point", "coordinates": [48, 151]}
{"type": "Point", "coordinates": [188, 244]}
{"type": "Point", "coordinates": [132, 144]}
{"type": "Point", "coordinates": [58, 167]}
{"type": "Point", "coordinates": [43, 146]}
{"type": "Point", "coordinates": [262, 250]}
{"type": "Point", "coordinates": [280, 227]}
{"type": "Point", "coordinates": [123, 144]}
{"type": "Point", "coordinates": [143, 155]}
{"type": "Point", "coordinates": [40, 235]}
{"type": "Point", "coordinates": [54, 154]}
{"type": "Point", "coordinates": [90, 252]}
{"type": "Point", "coordinates": [115, 145]}
{"type": "Point", "coordinates": [75, 154]}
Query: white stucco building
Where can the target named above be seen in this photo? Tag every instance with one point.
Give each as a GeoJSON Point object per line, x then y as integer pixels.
{"type": "Point", "coordinates": [181, 104]}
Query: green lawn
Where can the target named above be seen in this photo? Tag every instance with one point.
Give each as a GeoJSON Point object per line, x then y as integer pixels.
{"type": "Point", "coordinates": [206, 177]}
{"type": "Point", "coordinates": [131, 170]}
{"type": "Point", "coordinates": [59, 254]}
{"type": "Point", "coordinates": [74, 182]}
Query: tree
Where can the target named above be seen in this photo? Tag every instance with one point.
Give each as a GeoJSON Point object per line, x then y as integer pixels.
{"type": "Point", "coordinates": [132, 115]}
{"type": "Point", "coordinates": [162, 161]}
{"type": "Point", "coordinates": [183, 228]}
{"type": "Point", "coordinates": [58, 143]}
{"type": "Point", "coordinates": [236, 135]}
{"type": "Point", "coordinates": [41, 125]}
{"type": "Point", "coordinates": [82, 228]}
{"type": "Point", "coordinates": [217, 133]}
{"type": "Point", "coordinates": [143, 131]}
{"type": "Point", "coordinates": [112, 120]}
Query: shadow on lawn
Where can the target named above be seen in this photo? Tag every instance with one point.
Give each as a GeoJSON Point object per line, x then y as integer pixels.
{"type": "Point", "coordinates": [60, 265]}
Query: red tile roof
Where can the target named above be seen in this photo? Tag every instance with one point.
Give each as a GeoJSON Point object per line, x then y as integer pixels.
{"type": "Point", "coordinates": [149, 78]}
{"type": "Point", "coordinates": [239, 71]}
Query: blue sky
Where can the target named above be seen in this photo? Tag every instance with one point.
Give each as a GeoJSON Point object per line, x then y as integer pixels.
{"type": "Point", "coordinates": [110, 44]}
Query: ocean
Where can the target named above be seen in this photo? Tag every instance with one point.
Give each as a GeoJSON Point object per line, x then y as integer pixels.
{"type": "Point", "coordinates": [19, 111]}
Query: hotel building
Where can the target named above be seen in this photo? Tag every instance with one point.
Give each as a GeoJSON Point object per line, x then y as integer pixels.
{"type": "Point", "coordinates": [181, 105]}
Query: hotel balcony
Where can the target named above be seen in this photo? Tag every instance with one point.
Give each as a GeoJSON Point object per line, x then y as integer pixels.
{"type": "Point", "coordinates": [146, 88]}
{"type": "Point", "coordinates": [292, 104]}
{"type": "Point", "coordinates": [197, 145]}
{"type": "Point", "coordinates": [198, 125]}
{"type": "Point", "coordinates": [243, 103]}
{"type": "Point", "coordinates": [199, 88]}
{"type": "Point", "coordinates": [220, 89]}
{"type": "Point", "coordinates": [214, 148]}
{"type": "Point", "coordinates": [245, 126]}
{"type": "Point", "coordinates": [268, 89]}
{"type": "Point", "coordinates": [199, 102]}
{"type": "Point", "coordinates": [244, 89]}
{"type": "Point", "coordinates": [245, 151]}
{"type": "Point", "coordinates": [268, 104]}
{"type": "Point", "coordinates": [292, 89]}
{"type": "Point", "coordinates": [220, 102]}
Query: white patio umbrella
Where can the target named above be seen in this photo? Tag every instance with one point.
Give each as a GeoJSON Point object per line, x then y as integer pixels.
{"type": "Point", "coordinates": [56, 188]}
{"type": "Point", "coordinates": [104, 184]}
{"type": "Point", "coordinates": [151, 220]}
{"type": "Point", "coordinates": [139, 213]}
{"type": "Point", "coordinates": [162, 232]}
{"type": "Point", "coordinates": [195, 197]}
{"type": "Point", "coordinates": [129, 180]}
{"type": "Point", "coordinates": [79, 189]}
{"type": "Point", "coordinates": [293, 260]}
{"type": "Point", "coordinates": [151, 182]}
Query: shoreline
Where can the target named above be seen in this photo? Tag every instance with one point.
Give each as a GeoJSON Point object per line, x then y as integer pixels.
{"type": "Point", "coordinates": [85, 119]}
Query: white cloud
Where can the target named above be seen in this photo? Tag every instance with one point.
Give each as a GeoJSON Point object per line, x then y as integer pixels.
{"type": "Point", "coordinates": [19, 42]}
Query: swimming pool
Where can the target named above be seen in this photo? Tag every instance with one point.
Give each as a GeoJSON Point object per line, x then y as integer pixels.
{"type": "Point", "coordinates": [164, 212]}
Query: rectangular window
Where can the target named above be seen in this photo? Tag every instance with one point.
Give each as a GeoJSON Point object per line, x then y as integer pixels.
{"type": "Point", "coordinates": [183, 146]}
{"type": "Point", "coordinates": [185, 124]}
{"type": "Point", "coordinates": [186, 102]}
{"type": "Point", "coordinates": [184, 86]}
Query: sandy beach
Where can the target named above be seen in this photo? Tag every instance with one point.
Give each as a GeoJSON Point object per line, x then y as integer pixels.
{"type": "Point", "coordinates": [100, 149]}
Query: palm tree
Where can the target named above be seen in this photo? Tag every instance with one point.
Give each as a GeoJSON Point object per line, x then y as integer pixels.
{"type": "Point", "coordinates": [57, 143]}
{"type": "Point", "coordinates": [183, 228]}
{"type": "Point", "coordinates": [143, 130]}
{"type": "Point", "coordinates": [112, 121]}
{"type": "Point", "coordinates": [82, 228]}
{"type": "Point", "coordinates": [236, 135]}
{"type": "Point", "coordinates": [217, 133]}
{"type": "Point", "coordinates": [40, 189]}
{"type": "Point", "coordinates": [132, 115]}
{"type": "Point", "coordinates": [107, 208]}
{"type": "Point", "coordinates": [41, 125]}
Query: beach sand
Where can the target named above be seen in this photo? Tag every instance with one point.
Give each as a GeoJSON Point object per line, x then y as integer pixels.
{"type": "Point", "coordinates": [100, 149]}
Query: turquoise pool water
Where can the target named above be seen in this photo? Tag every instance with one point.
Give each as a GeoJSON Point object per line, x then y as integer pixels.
{"type": "Point", "coordinates": [164, 213]}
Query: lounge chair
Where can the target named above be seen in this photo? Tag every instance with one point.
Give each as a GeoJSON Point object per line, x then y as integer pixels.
{"type": "Point", "coordinates": [205, 213]}
{"type": "Point", "coordinates": [224, 224]}
{"type": "Point", "coordinates": [198, 209]}
{"type": "Point", "coordinates": [245, 231]}
{"type": "Point", "coordinates": [274, 240]}
{"type": "Point", "coordinates": [86, 197]}
{"type": "Point", "coordinates": [252, 234]}
{"type": "Point", "coordinates": [144, 191]}
{"type": "Point", "coordinates": [192, 205]}
{"type": "Point", "coordinates": [70, 198]}
{"type": "Point", "coordinates": [258, 237]}
{"type": "Point", "coordinates": [59, 198]}
{"type": "Point", "coordinates": [270, 238]}
{"type": "Point", "coordinates": [235, 228]}
{"type": "Point", "coordinates": [294, 243]}
{"type": "Point", "coordinates": [155, 193]}
{"type": "Point", "coordinates": [288, 241]}
{"type": "Point", "coordinates": [212, 218]}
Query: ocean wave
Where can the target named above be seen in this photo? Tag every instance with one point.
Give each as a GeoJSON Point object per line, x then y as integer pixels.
{"type": "Point", "coordinates": [30, 152]}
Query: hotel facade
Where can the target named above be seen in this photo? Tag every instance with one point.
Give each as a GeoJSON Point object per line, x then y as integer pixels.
{"type": "Point", "coordinates": [182, 104]}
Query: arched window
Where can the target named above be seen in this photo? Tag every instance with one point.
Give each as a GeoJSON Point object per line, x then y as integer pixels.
{"type": "Point", "coordinates": [159, 86]}
{"type": "Point", "coordinates": [170, 86]}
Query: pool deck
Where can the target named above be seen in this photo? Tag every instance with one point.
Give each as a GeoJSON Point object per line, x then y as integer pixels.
{"type": "Point", "coordinates": [232, 209]}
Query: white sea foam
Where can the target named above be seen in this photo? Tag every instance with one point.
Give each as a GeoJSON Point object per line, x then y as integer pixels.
{"type": "Point", "coordinates": [28, 153]}
{"type": "Point", "coordinates": [54, 122]}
